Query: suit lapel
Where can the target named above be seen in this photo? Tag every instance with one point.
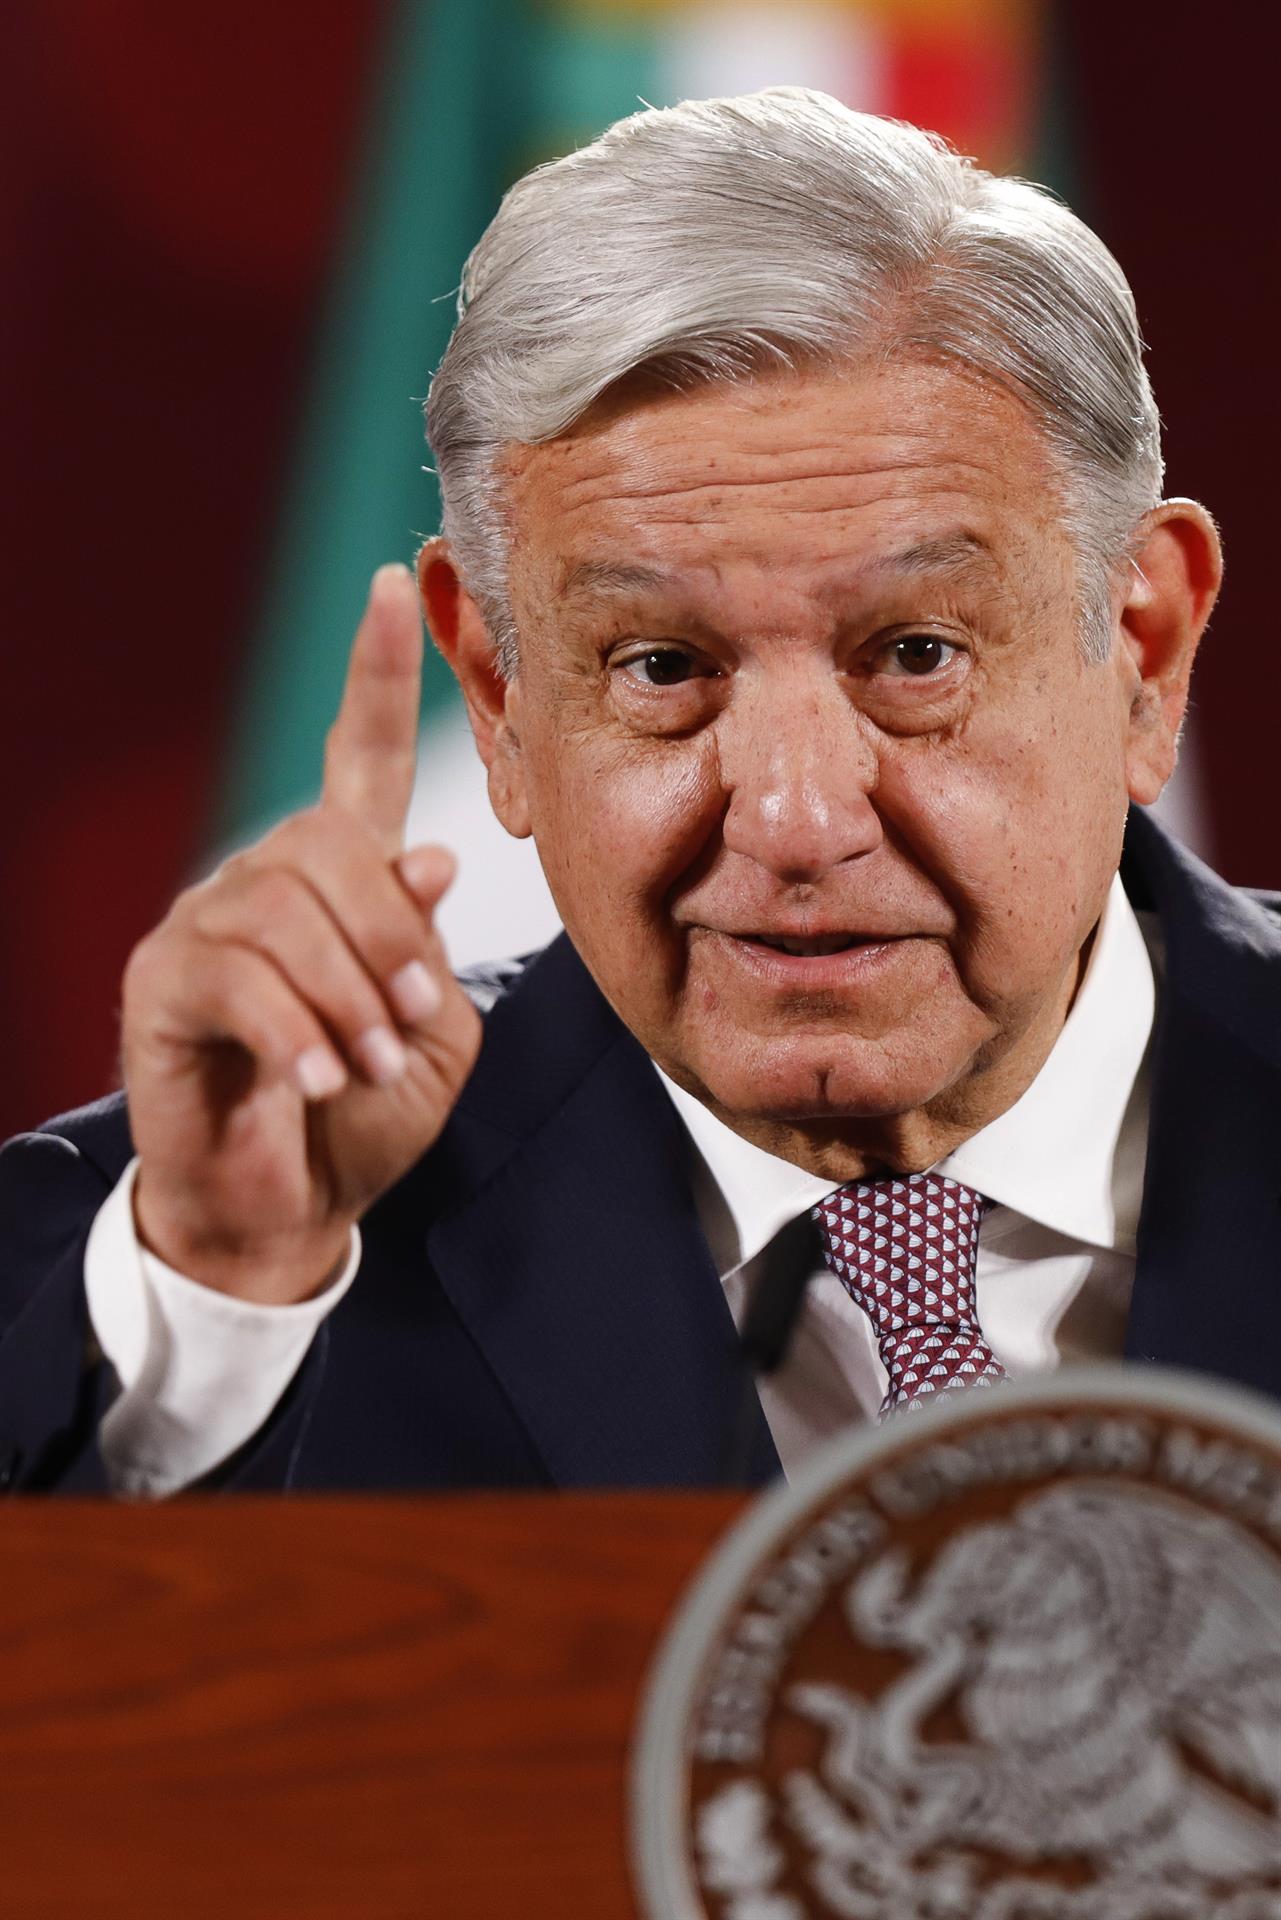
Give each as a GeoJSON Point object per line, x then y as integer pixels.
{"type": "Point", "coordinates": [1207, 1291]}
{"type": "Point", "coordinates": [578, 1263]}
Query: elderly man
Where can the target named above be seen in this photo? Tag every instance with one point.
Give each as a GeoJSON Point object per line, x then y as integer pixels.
{"type": "Point", "coordinates": [807, 578]}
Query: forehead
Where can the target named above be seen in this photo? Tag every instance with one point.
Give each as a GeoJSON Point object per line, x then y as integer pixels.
{"type": "Point", "coordinates": [797, 473]}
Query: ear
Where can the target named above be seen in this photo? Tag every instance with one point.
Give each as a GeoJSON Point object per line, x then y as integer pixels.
{"type": "Point", "coordinates": [493, 703]}
{"type": "Point", "coordinates": [1169, 592]}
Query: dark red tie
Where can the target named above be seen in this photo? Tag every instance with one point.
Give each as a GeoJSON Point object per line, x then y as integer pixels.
{"type": "Point", "coordinates": [905, 1251]}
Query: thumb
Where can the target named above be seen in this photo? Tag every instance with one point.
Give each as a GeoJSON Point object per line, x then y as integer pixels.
{"type": "Point", "coordinates": [427, 873]}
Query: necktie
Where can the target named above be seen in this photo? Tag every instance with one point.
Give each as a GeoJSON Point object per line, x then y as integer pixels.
{"type": "Point", "coordinates": [905, 1251]}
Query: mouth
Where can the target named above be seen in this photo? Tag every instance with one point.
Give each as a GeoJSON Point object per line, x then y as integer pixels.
{"type": "Point", "coordinates": [820, 944]}
{"type": "Point", "coordinates": [808, 962]}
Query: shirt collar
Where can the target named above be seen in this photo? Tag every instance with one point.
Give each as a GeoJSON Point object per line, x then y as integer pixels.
{"type": "Point", "coordinates": [1055, 1156]}
{"type": "Point", "coordinates": [1069, 1153]}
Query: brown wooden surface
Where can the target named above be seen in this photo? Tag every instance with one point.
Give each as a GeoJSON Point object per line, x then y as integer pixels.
{"type": "Point", "coordinates": [389, 1709]}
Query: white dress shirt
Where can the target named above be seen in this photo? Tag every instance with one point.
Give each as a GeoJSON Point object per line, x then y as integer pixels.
{"type": "Point", "coordinates": [200, 1372]}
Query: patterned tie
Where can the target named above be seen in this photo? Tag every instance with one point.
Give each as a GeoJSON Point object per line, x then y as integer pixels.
{"type": "Point", "coordinates": [905, 1251]}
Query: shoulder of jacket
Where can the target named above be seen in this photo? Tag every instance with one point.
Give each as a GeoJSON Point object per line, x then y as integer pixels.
{"type": "Point", "coordinates": [96, 1137]}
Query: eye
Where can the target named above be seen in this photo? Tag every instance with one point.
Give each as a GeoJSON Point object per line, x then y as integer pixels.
{"type": "Point", "coordinates": [919, 654]}
{"type": "Point", "coordinates": [662, 667]}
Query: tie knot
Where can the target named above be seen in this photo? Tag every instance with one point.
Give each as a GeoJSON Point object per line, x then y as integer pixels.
{"type": "Point", "coordinates": [905, 1249]}
{"type": "Point", "coordinates": [919, 1224]}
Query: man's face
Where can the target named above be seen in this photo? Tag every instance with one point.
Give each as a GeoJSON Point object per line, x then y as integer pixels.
{"type": "Point", "coordinates": [827, 796]}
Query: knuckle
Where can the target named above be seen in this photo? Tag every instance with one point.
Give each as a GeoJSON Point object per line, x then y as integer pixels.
{"type": "Point", "coordinates": [290, 838]}
{"type": "Point", "coordinates": [140, 967]}
{"type": "Point", "coordinates": [351, 832]}
{"type": "Point", "coordinates": [309, 837]}
{"type": "Point", "coordinates": [278, 897]}
{"type": "Point", "coordinates": [233, 868]}
{"type": "Point", "coordinates": [325, 839]}
{"type": "Point", "coordinates": [246, 900]}
{"type": "Point", "coordinates": [184, 908]}
{"type": "Point", "coordinates": [310, 821]}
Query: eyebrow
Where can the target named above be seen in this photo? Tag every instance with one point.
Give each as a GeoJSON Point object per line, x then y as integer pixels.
{"type": "Point", "coordinates": [606, 577]}
{"type": "Point", "coordinates": [943, 553]}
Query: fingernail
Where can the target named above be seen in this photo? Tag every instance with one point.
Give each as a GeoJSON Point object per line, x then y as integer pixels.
{"type": "Point", "coordinates": [381, 1055]}
{"type": "Point", "coordinates": [414, 994]}
{"type": "Point", "coordinates": [318, 1073]}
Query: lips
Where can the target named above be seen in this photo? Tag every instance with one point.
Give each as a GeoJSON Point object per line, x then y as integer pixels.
{"type": "Point", "coordinates": [807, 962]}
{"type": "Point", "coordinates": [806, 948]}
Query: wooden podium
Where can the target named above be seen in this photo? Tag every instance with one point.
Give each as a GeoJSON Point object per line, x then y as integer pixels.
{"type": "Point", "coordinates": [373, 1709]}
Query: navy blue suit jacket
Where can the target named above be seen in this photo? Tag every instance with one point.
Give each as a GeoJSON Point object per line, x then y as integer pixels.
{"type": "Point", "coordinates": [537, 1305]}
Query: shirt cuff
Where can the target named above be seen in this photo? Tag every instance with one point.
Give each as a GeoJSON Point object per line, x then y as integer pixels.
{"type": "Point", "coordinates": [199, 1370]}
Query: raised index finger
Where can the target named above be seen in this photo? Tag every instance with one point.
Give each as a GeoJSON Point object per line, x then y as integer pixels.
{"type": "Point", "coordinates": [371, 752]}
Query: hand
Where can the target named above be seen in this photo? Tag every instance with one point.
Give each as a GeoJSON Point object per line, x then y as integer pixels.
{"type": "Point", "coordinates": [293, 1037]}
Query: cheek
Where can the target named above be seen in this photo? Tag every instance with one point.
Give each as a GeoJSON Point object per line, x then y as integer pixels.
{"type": "Point", "coordinates": [618, 823]}
{"type": "Point", "coordinates": [1021, 831]}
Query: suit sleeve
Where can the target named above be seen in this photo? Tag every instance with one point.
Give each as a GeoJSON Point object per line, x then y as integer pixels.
{"type": "Point", "coordinates": [52, 1386]}
{"type": "Point", "coordinates": [55, 1384]}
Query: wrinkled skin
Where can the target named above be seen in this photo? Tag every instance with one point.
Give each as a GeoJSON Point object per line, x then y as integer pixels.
{"type": "Point", "coordinates": [799, 657]}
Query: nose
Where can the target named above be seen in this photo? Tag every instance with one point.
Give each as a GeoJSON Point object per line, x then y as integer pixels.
{"type": "Point", "coordinates": [800, 771]}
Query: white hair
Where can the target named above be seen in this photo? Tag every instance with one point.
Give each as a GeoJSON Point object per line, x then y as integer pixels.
{"type": "Point", "coordinates": [712, 240]}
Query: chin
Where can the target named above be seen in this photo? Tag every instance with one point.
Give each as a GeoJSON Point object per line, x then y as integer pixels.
{"type": "Point", "coordinates": [801, 1081]}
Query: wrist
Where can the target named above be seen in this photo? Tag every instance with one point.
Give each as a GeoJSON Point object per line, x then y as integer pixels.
{"type": "Point", "coordinates": [269, 1270]}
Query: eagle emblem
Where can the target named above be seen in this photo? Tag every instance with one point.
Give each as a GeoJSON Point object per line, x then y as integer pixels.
{"type": "Point", "coordinates": [1111, 1656]}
